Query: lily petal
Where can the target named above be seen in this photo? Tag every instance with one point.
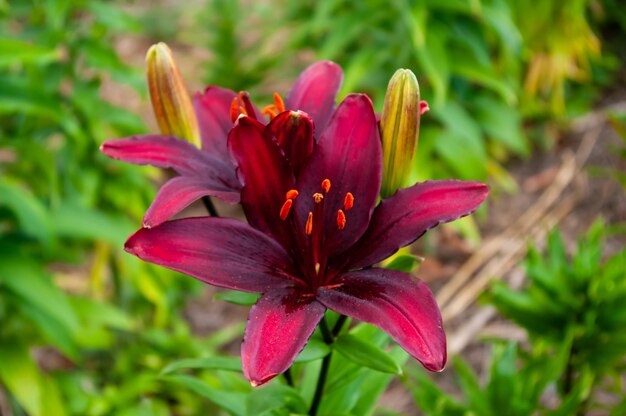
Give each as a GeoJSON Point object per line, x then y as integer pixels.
{"type": "Point", "coordinates": [398, 304]}
{"type": "Point", "coordinates": [348, 154]}
{"type": "Point", "coordinates": [404, 217]}
{"type": "Point", "coordinates": [315, 91]}
{"type": "Point", "coordinates": [279, 326]}
{"type": "Point", "coordinates": [293, 131]}
{"type": "Point", "coordinates": [163, 152]}
{"type": "Point", "coordinates": [212, 109]}
{"type": "Point", "coordinates": [219, 251]}
{"type": "Point", "coordinates": [265, 175]}
{"type": "Point", "coordinates": [180, 192]}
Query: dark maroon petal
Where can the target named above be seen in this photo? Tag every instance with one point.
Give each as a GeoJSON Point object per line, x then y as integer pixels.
{"type": "Point", "coordinates": [160, 151]}
{"type": "Point", "coordinates": [349, 154]}
{"type": "Point", "coordinates": [409, 213]}
{"type": "Point", "coordinates": [278, 328]}
{"type": "Point", "coordinates": [180, 192]}
{"type": "Point", "coordinates": [213, 113]}
{"type": "Point", "coordinates": [265, 175]}
{"type": "Point", "coordinates": [395, 302]}
{"type": "Point", "coordinates": [315, 91]}
{"type": "Point", "coordinates": [293, 131]}
{"type": "Point", "coordinates": [219, 251]}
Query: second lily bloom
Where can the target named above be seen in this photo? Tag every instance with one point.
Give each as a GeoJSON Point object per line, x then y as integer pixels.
{"type": "Point", "coordinates": [204, 166]}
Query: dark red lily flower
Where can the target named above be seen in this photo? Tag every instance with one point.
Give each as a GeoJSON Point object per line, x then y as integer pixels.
{"type": "Point", "coordinates": [209, 171]}
{"type": "Point", "coordinates": [312, 239]}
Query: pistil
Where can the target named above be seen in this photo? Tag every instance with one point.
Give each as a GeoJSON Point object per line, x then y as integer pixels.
{"type": "Point", "coordinates": [314, 226]}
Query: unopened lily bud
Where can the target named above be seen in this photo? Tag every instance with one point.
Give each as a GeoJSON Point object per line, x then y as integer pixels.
{"type": "Point", "coordinates": [399, 127]}
{"type": "Point", "coordinates": [170, 99]}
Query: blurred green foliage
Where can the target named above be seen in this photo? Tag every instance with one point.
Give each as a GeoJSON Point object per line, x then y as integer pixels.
{"type": "Point", "coordinates": [573, 312]}
{"type": "Point", "coordinates": [576, 301]}
{"type": "Point", "coordinates": [485, 66]}
{"type": "Point", "coordinates": [66, 289]}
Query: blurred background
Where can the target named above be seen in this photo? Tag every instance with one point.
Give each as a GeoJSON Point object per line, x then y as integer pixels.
{"type": "Point", "coordinates": [528, 96]}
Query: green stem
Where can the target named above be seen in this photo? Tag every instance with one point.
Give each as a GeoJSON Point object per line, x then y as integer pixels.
{"type": "Point", "coordinates": [329, 338]}
{"type": "Point", "coordinates": [209, 206]}
{"type": "Point", "coordinates": [288, 377]}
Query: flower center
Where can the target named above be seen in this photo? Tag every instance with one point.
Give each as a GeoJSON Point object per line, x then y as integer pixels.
{"type": "Point", "coordinates": [314, 226]}
{"type": "Point", "coordinates": [275, 109]}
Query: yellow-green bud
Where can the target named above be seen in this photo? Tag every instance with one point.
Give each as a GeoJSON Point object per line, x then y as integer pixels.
{"type": "Point", "coordinates": [170, 100]}
{"type": "Point", "coordinates": [399, 127]}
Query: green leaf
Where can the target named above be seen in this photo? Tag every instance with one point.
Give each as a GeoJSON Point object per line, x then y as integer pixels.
{"type": "Point", "coordinates": [21, 376]}
{"type": "Point", "coordinates": [405, 263]}
{"type": "Point", "coordinates": [74, 221]}
{"type": "Point", "coordinates": [52, 398]}
{"type": "Point", "coordinates": [375, 384]}
{"type": "Point", "coordinates": [502, 389]}
{"type": "Point", "coordinates": [29, 211]}
{"type": "Point", "coordinates": [39, 299]}
{"type": "Point", "coordinates": [501, 122]}
{"type": "Point", "coordinates": [275, 399]}
{"type": "Point", "coordinates": [18, 96]}
{"type": "Point", "coordinates": [464, 157]}
{"type": "Point", "coordinates": [231, 401]}
{"type": "Point", "coordinates": [238, 298]}
{"type": "Point", "coordinates": [471, 389]}
{"type": "Point", "coordinates": [365, 354]}
{"type": "Point", "coordinates": [14, 51]}
{"type": "Point", "coordinates": [521, 308]}
{"type": "Point", "coordinates": [434, 59]}
{"type": "Point", "coordinates": [430, 398]}
{"type": "Point", "coordinates": [212, 363]}
{"type": "Point", "coordinates": [314, 350]}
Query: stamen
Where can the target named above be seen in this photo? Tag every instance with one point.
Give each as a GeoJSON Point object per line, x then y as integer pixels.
{"type": "Point", "coordinates": [348, 201]}
{"type": "Point", "coordinates": [341, 220]}
{"type": "Point", "coordinates": [234, 109]}
{"type": "Point", "coordinates": [278, 103]}
{"type": "Point", "coordinates": [244, 99]}
{"type": "Point", "coordinates": [308, 229]}
{"type": "Point", "coordinates": [326, 185]}
{"type": "Point", "coordinates": [317, 268]}
{"type": "Point", "coordinates": [242, 110]}
{"type": "Point", "coordinates": [268, 110]}
{"type": "Point", "coordinates": [284, 211]}
{"type": "Point", "coordinates": [317, 197]}
{"type": "Point", "coordinates": [292, 194]}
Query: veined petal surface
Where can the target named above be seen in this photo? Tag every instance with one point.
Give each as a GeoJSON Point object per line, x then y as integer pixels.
{"type": "Point", "coordinates": [219, 251]}
{"type": "Point", "coordinates": [279, 326]}
{"type": "Point", "coordinates": [398, 304]}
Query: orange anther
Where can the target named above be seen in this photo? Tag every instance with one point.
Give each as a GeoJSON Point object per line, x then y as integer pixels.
{"type": "Point", "coordinates": [292, 194]}
{"type": "Point", "coordinates": [326, 185]}
{"type": "Point", "coordinates": [341, 220]}
{"type": "Point", "coordinates": [284, 211]}
{"type": "Point", "coordinates": [348, 201]}
{"type": "Point", "coordinates": [234, 109]}
{"type": "Point", "coordinates": [269, 110]}
{"type": "Point", "coordinates": [317, 197]}
{"type": "Point", "coordinates": [308, 228]}
{"type": "Point", "coordinates": [279, 103]}
{"type": "Point", "coordinates": [242, 110]}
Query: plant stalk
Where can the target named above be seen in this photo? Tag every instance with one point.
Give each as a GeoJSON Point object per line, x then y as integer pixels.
{"type": "Point", "coordinates": [329, 338]}
{"type": "Point", "coordinates": [208, 204]}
